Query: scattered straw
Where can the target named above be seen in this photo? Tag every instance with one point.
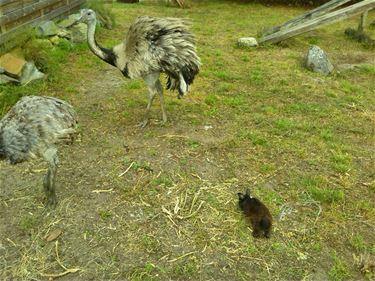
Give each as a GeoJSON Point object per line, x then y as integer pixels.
{"type": "Point", "coordinates": [127, 170]}
{"type": "Point", "coordinates": [102, 190]}
{"type": "Point", "coordinates": [67, 270]}
{"type": "Point", "coordinates": [181, 257]}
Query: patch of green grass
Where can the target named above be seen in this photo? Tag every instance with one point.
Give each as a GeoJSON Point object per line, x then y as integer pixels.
{"type": "Point", "coordinates": [210, 99]}
{"type": "Point", "coordinates": [255, 138]}
{"type": "Point", "coordinates": [133, 103]}
{"type": "Point", "coordinates": [370, 69]}
{"type": "Point", "coordinates": [105, 214]}
{"type": "Point", "coordinates": [147, 272]}
{"type": "Point", "coordinates": [339, 270]}
{"type": "Point", "coordinates": [194, 144]}
{"type": "Point", "coordinates": [27, 222]}
{"type": "Point", "coordinates": [162, 180]}
{"type": "Point", "coordinates": [341, 161]}
{"type": "Point", "coordinates": [327, 135]}
{"type": "Point", "coordinates": [134, 84]}
{"type": "Point", "coordinates": [304, 107]}
{"type": "Point", "coordinates": [234, 101]}
{"type": "Point", "coordinates": [257, 76]}
{"type": "Point", "coordinates": [326, 195]}
{"type": "Point", "coordinates": [184, 269]}
{"type": "Point", "coordinates": [358, 242]}
{"type": "Point", "coordinates": [151, 244]}
{"type": "Point", "coordinates": [225, 75]}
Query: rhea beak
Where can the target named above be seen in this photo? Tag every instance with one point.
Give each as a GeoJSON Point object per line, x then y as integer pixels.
{"type": "Point", "coordinates": [82, 13]}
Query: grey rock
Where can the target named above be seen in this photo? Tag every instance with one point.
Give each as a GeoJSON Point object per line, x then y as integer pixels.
{"type": "Point", "coordinates": [30, 73]}
{"type": "Point", "coordinates": [47, 28]}
{"type": "Point", "coordinates": [4, 79]}
{"type": "Point", "coordinates": [247, 42]}
{"type": "Point", "coordinates": [317, 60]}
{"type": "Point", "coordinates": [69, 21]}
{"type": "Point", "coordinates": [78, 33]}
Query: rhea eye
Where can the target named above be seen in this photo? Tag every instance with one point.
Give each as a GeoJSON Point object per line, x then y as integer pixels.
{"type": "Point", "coordinates": [89, 13]}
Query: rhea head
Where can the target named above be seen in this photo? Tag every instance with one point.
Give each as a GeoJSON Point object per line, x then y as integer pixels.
{"type": "Point", "coordinates": [87, 16]}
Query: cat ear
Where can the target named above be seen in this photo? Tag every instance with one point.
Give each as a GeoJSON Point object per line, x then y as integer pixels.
{"type": "Point", "coordinates": [240, 195]}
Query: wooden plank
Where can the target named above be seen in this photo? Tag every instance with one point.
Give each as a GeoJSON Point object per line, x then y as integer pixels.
{"type": "Point", "coordinates": [5, 2]}
{"type": "Point", "coordinates": [329, 6]}
{"type": "Point", "coordinates": [73, 4]}
{"type": "Point", "coordinates": [332, 17]}
{"type": "Point", "coordinates": [9, 7]}
{"type": "Point", "coordinates": [362, 21]}
{"type": "Point", "coordinates": [12, 16]}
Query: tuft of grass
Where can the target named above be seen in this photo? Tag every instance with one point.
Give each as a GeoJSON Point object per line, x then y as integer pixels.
{"type": "Point", "coordinates": [210, 99]}
{"type": "Point", "coordinates": [255, 138]}
{"type": "Point", "coordinates": [358, 242]}
{"type": "Point", "coordinates": [341, 162]}
{"type": "Point", "coordinates": [257, 76]}
{"type": "Point", "coordinates": [134, 84]}
{"type": "Point", "coordinates": [234, 101]}
{"type": "Point", "coordinates": [105, 214]}
{"type": "Point", "coordinates": [27, 222]}
{"type": "Point", "coordinates": [325, 195]}
{"type": "Point", "coordinates": [339, 270]}
{"type": "Point", "coordinates": [162, 180]}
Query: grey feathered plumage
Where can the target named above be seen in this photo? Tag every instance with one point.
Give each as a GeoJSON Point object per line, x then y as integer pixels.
{"type": "Point", "coordinates": [32, 128]}
{"type": "Point", "coordinates": [160, 44]}
{"type": "Point", "coordinates": [152, 46]}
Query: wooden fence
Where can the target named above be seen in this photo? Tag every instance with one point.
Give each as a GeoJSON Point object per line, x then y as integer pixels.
{"type": "Point", "coordinates": [16, 14]}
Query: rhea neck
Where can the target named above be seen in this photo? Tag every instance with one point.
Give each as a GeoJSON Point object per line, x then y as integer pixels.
{"type": "Point", "coordinates": [103, 53]}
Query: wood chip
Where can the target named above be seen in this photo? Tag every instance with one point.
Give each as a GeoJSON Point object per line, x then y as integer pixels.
{"type": "Point", "coordinates": [54, 234]}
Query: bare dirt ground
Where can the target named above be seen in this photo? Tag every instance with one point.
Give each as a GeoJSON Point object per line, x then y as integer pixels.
{"type": "Point", "coordinates": [302, 142]}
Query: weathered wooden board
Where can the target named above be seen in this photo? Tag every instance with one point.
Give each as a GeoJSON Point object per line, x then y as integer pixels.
{"type": "Point", "coordinates": [325, 19]}
{"type": "Point", "coordinates": [30, 13]}
{"type": "Point", "coordinates": [329, 6]}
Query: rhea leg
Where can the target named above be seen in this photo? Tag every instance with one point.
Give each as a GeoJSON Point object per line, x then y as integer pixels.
{"type": "Point", "coordinates": [159, 88]}
{"type": "Point", "coordinates": [154, 87]}
{"type": "Point", "coordinates": [49, 180]}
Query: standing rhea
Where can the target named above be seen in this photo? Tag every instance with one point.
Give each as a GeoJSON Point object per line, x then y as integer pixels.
{"type": "Point", "coordinates": [32, 128]}
{"type": "Point", "coordinates": [258, 214]}
{"type": "Point", "coordinates": [152, 46]}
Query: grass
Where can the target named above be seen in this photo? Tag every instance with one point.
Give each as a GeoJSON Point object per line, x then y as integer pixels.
{"type": "Point", "coordinates": [160, 203]}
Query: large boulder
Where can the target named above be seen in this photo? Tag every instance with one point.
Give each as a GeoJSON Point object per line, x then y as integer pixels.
{"type": "Point", "coordinates": [78, 33]}
{"type": "Point", "coordinates": [12, 64]}
{"type": "Point", "coordinates": [15, 69]}
{"type": "Point", "coordinates": [317, 60]}
{"type": "Point", "coordinates": [47, 28]}
{"type": "Point", "coordinates": [69, 21]}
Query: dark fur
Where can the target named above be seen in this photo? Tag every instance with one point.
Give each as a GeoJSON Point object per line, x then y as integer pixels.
{"type": "Point", "coordinates": [258, 214]}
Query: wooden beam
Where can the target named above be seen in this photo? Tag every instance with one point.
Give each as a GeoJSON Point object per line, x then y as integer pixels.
{"type": "Point", "coordinates": [362, 21]}
{"type": "Point", "coordinates": [8, 35]}
{"type": "Point", "coordinates": [26, 11]}
{"type": "Point", "coordinates": [329, 6]}
{"type": "Point", "coordinates": [332, 17]}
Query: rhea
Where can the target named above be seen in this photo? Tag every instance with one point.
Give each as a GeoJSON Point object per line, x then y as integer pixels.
{"type": "Point", "coordinates": [33, 128]}
{"type": "Point", "coordinates": [152, 46]}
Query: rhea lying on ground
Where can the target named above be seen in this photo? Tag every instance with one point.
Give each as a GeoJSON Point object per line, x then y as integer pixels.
{"type": "Point", "coordinates": [152, 46]}
{"type": "Point", "coordinates": [258, 214]}
{"type": "Point", "coordinates": [32, 128]}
